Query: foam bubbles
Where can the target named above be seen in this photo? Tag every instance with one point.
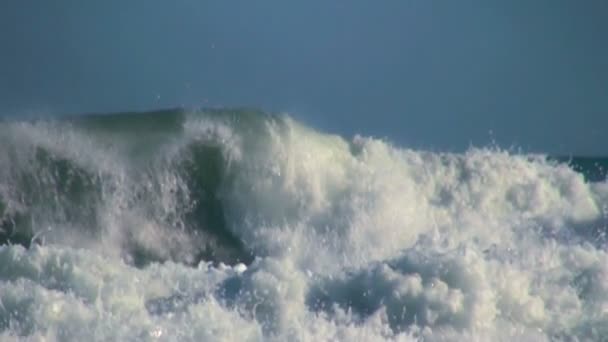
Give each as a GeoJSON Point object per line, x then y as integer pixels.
{"type": "Point", "coordinates": [352, 240]}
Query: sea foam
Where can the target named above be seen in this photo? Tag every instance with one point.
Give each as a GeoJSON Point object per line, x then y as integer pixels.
{"type": "Point", "coordinates": [235, 225]}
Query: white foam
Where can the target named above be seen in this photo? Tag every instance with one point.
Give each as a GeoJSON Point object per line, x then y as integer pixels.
{"type": "Point", "coordinates": [355, 240]}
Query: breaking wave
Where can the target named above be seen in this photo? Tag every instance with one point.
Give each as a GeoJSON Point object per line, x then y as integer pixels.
{"type": "Point", "coordinates": [242, 225]}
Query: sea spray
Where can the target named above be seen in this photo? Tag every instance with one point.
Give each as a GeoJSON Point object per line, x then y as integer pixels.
{"type": "Point", "coordinates": [241, 225]}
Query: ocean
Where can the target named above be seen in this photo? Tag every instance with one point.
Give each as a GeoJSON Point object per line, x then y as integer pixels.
{"type": "Point", "coordinates": [239, 225]}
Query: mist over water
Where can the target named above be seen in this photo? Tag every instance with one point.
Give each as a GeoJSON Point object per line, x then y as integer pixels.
{"type": "Point", "coordinates": [241, 225]}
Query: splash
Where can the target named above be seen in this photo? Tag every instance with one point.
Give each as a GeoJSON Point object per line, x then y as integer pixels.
{"type": "Point", "coordinates": [240, 225]}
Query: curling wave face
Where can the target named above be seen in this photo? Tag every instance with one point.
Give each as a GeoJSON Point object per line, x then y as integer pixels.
{"type": "Point", "coordinates": [240, 225]}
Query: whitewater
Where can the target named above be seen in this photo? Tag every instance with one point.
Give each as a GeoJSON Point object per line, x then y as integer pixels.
{"type": "Point", "coordinates": [238, 225]}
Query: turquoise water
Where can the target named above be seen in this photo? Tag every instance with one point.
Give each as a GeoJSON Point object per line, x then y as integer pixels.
{"type": "Point", "coordinates": [594, 169]}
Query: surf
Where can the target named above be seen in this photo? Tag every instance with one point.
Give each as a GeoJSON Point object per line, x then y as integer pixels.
{"type": "Point", "coordinates": [241, 224]}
